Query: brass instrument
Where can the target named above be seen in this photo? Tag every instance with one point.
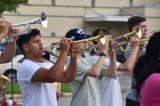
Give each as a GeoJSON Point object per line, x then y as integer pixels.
{"type": "Point", "coordinates": [123, 39]}
{"type": "Point", "coordinates": [52, 49]}
{"type": "Point", "coordinates": [123, 43]}
{"type": "Point", "coordinates": [41, 20]}
{"type": "Point", "coordinates": [136, 32]}
{"type": "Point", "coordinates": [100, 39]}
{"type": "Point", "coordinates": [3, 82]}
{"type": "Point", "coordinates": [151, 32]}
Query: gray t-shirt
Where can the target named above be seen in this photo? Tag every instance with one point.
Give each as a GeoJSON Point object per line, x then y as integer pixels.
{"type": "Point", "coordinates": [132, 94]}
{"type": "Point", "coordinates": [85, 89]}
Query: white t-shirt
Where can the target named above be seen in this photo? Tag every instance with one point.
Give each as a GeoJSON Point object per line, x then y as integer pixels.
{"type": "Point", "coordinates": [35, 93]}
{"type": "Point", "coordinates": [110, 90]}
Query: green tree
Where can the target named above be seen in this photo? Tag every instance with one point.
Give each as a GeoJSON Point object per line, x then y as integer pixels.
{"type": "Point", "coordinates": [11, 5]}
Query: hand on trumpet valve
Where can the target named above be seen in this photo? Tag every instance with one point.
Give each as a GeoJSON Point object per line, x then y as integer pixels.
{"type": "Point", "coordinates": [65, 44]}
{"type": "Point", "coordinates": [78, 47]}
{"type": "Point", "coordinates": [135, 41]}
{"type": "Point", "coordinates": [12, 34]}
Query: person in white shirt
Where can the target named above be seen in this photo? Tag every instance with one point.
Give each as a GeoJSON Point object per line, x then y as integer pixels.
{"type": "Point", "coordinates": [110, 90]}
{"type": "Point", "coordinates": [36, 75]}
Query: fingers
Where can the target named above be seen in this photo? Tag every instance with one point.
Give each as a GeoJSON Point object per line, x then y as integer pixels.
{"type": "Point", "coordinates": [65, 44]}
{"type": "Point", "coordinates": [5, 23]}
{"type": "Point", "coordinates": [4, 28]}
{"type": "Point", "coordinates": [13, 31]}
{"type": "Point", "coordinates": [134, 38]}
{"type": "Point", "coordinates": [135, 41]}
{"type": "Point", "coordinates": [65, 41]}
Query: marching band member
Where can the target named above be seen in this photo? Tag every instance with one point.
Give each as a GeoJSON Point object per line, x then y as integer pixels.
{"type": "Point", "coordinates": [132, 99]}
{"type": "Point", "coordinates": [9, 51]}
{"type": "Point", "coordinates": [85, 87]}
{"type": "Point", "coordinates": [110, 90]}
{"type": "Point", "coordinates": [6, 54]}
{"type": "Point", "coordinates": [36, 75]}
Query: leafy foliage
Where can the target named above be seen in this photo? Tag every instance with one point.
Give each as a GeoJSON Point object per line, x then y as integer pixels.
{"type": "Point", "coordinates": [11, 5]}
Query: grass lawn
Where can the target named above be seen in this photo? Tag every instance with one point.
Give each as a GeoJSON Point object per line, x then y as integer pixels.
{"type": "Point", "coordinates": [16, 90]}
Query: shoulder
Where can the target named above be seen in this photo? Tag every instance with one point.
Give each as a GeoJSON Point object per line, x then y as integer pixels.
{"type": "Point", "coordinates": [154, 78]}
{"type": "Point", "coordinates": [153, 81]}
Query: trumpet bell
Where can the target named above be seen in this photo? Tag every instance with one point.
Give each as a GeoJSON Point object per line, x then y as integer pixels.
{"type": "Point", "coordinates": [43, 19]}
{"type": "Point", "coordinates": [138, 32]}
{"type": "Point", "coordinates": [101, 37]}
{"type": "Point", "coordinates": [102, 40]}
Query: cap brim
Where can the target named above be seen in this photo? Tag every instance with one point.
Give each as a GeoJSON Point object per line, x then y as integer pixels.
{"type": "Point", "coordinates": [86, 36]}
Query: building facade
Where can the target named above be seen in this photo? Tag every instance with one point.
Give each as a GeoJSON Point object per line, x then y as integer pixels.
{"type": "Point", "coordinates": [63, 15]}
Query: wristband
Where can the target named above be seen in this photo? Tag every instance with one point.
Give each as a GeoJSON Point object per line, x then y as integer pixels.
{"type": "Point", "coordinates": [102, 54]}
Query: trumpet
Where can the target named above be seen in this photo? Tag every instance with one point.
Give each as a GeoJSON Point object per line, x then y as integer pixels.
{"type": "Point", "coordinates": [100, 39]}
{"type": "Point", "coordinates": [41, 20]}
{"type": "Point", "coordinates": [123, 39]}
{"type": "Point", "coordinates": [123, 43]}
{"type": "Point", "coordinates": [151, 32]}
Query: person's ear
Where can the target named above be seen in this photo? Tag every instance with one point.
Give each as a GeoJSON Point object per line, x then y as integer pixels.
{"type": "Point", "coordinates": [25, 47]}
{"type": "Point", "coordinates": [133, 28]}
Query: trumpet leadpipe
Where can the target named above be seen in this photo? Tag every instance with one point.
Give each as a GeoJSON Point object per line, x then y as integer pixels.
{"type": "Point", "coordinates": [41, 20]}
{"type": "Point", "coordinates": [118, 44]}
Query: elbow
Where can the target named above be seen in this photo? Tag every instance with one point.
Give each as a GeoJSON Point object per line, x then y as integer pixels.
{"type": "Point", "coordinates": [52, 79]}
{"type": "Point", "coordinates": [125, 68]}
{"type": "Point", "coordinates": [128, 68]}
{"type": "Point", "coordinates": [70, 80]}
{"type": "Point", "coordinates": [113, 76]}
{"type": "Point", "coordinates": [95, 74]}
{"type": "Point", "coordinates": [9, 60]}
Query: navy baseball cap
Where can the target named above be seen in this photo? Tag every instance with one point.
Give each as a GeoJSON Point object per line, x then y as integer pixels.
{"type": "Point", "coordinates": [77, 34]}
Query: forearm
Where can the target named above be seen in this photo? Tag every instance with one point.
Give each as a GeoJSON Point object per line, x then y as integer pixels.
{"type": "Point", "coordinates": [130, 62]}
{"type": "Point", "coordinates": [58, 68]}
{"type": "Point", "coordinates": [96, 68]}
{"type": "Point", "coordinates": [127, 52]}
{"type": "Point", "coordinates": [8, 53]}
{"type": "Point", "coordinates": [112, 71]}
{"type": "Point", "coordinates": [70, 74]}
{"type": "Point", "coordinates": [1, 36]}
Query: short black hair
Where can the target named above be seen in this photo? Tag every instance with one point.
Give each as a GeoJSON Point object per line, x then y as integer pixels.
{"type": "Point", "coordinates": [25, 38]}
{"type": "Point", "coordinates": [149, 63]}
{"type": "Point", "coordinates": [135, 20]}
